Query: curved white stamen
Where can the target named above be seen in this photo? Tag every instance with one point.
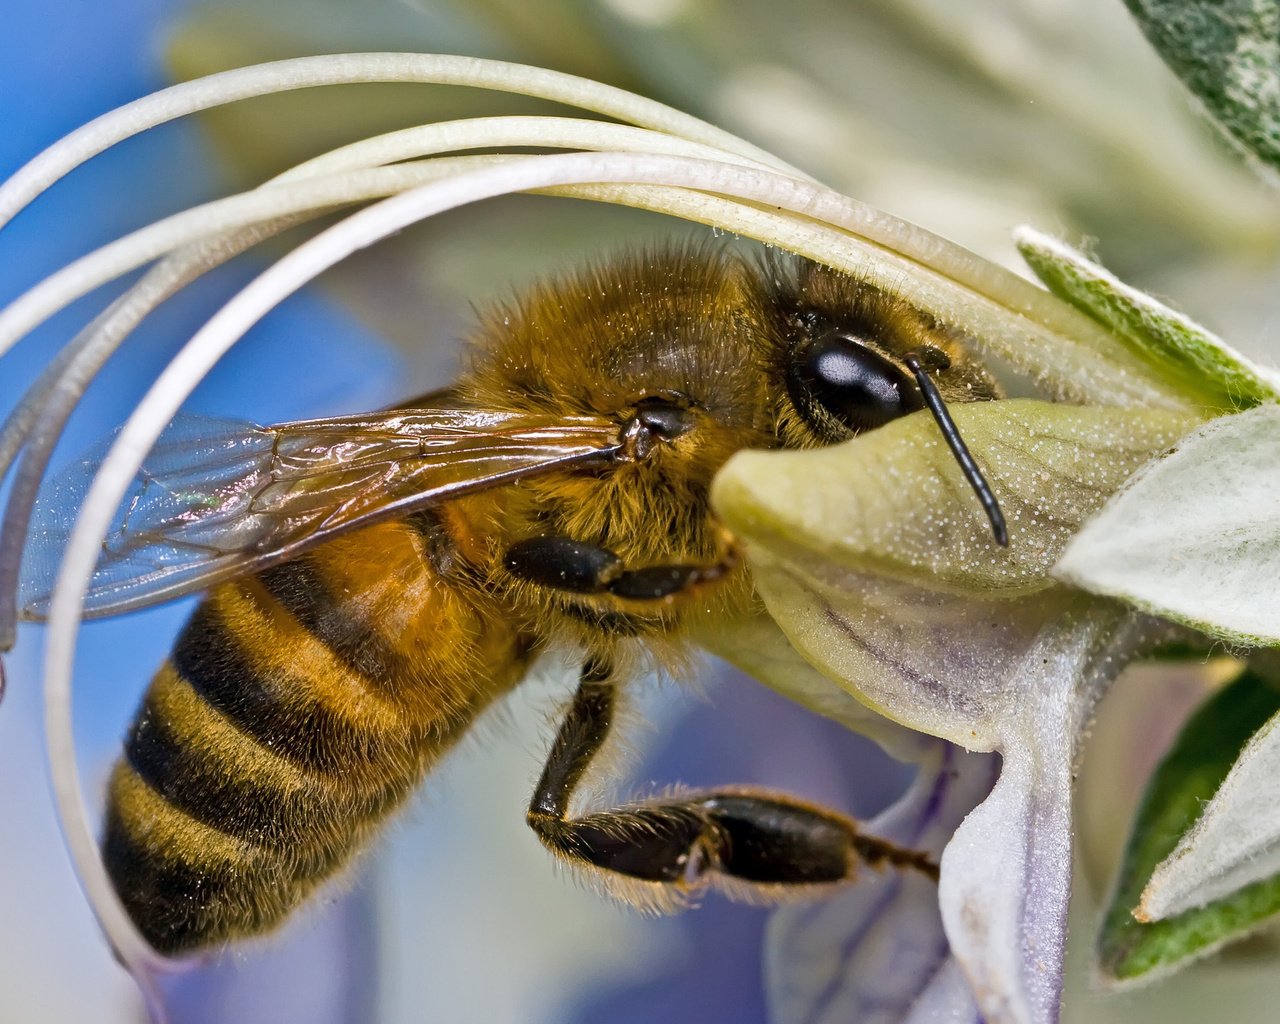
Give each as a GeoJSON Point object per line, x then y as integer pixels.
{"type": "Point", "coordinates": [349, 69]}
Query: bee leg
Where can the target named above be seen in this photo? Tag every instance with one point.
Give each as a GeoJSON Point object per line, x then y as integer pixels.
{"type": "Point", "coordinates": [567, 564]}
{"type": "Point", "coordinates": [769, 843]}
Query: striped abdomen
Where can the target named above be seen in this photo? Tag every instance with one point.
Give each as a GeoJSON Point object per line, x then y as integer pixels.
{"type": "Point", "coordinates": [298, 709]}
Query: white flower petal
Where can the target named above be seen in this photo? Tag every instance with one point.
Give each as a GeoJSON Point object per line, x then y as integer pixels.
{"type": "Point", "coordinates": [948, 999]}
{"type": "Point", "coordinates": [876, 953]}
{"type": "Point", "coordinates": [1006, 876]}
{"type": "Point", "coordinates": [1235, 842]}
{"type": "Point", "coordinates": [1195, 537]}
{"type": "Point", "coordinates": [935, 661]}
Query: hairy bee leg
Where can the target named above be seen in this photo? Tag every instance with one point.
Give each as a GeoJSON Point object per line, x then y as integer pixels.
{"type": "Point", "coordinates": [742, 834]}
{"type": "Point", "coordinates": [566, 564]}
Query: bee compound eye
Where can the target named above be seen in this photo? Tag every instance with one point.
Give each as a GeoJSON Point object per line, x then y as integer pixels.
{"type": "Point", "coordinates": [854, 383]}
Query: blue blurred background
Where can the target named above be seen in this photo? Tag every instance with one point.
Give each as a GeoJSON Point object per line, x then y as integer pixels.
{"type": "Point", "coordinates": [59, 66]}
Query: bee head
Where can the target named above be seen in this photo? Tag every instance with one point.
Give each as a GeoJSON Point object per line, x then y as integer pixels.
{"type": "Point", "coordinates": [837, 351]}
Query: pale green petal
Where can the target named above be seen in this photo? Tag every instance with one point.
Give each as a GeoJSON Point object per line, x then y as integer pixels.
{"type": "Point", "coordinates": [894, 502]}
{"type": "Point", "coordinates": [1195, 537]}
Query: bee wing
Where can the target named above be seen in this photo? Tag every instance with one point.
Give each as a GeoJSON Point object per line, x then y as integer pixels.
{"type": "Point", "coordinates": [220, 498]}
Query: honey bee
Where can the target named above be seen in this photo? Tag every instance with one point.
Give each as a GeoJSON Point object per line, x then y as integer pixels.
{"type": "Point", "coordinates": [376, 581]}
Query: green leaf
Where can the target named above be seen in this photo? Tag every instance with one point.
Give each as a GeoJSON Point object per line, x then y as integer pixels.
{"type": "Point", "coordinates": [1195, 537]}
{"type": "Point", "coordinates": [1188, 776]}
{"type": "Point", "coordinates": [1227, 52]}
{"type": "Point", "coordinates": [1182, 351]}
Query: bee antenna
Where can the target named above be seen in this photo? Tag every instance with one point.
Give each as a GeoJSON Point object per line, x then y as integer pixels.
{"type": "Point", "coordinates": [929, 391]}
